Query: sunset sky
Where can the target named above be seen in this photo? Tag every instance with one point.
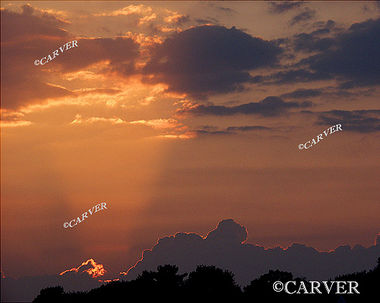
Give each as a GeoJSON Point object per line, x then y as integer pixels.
{"type": "Point", "coordinates": [179, 115]}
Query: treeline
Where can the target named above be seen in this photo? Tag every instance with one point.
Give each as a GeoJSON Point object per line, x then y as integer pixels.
{"type": "Point", "coordinates": [211, 284]}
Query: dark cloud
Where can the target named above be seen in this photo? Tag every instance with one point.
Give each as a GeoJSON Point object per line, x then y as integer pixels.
{"type": "Point", "coordinates": [352, 57]}
{"type": "Point", "coordinates": [285, 6]}
{"type": "Point", "coordinates": [225, 248]}
{"type": "Point", "coordinates": [270, 106]}
{"type": "Point", "coordinates": [306, 15]}
{"type": "Point", "coordinates": [246, 128]}
{"type": "Point", "coordinates": [294, 76]}
{"type": "Point", "coordinates": [363, 121]}
{"type": "Point", "coordinates": [231, 130]}
{"type": "Point", "coordinates": [313, 42]}
{"type": "Point", "coordinates": [303, 93]}
{"type": "Point", "coordinates": [209, 59]}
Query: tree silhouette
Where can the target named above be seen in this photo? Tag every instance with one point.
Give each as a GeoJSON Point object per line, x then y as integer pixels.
{"type": "Point", "coordinates": [211, 283]}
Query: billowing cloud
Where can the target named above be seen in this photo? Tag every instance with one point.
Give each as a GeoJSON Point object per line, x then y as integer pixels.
{"type": "Point", "coordinates": [270, 106]}
{"type": "Point", "coordinates": [206, 60]}
{"type": "Point", "coordinates": [225, 248]}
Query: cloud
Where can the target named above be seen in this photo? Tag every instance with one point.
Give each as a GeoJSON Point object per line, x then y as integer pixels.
{"type": "Point", "coordinates": [29, 24]}
{"type": "Point", "coordinates": [27, 36]}
{"type": "Point", "coordinates": [246, 128]}
{"type": "Point", "coordinates": [225, 247]}
{"type": "Point", "coordinates": [206, 60]}
{"type": "Point", "coordinates": [317, 40]}
{"type": "Point", "coordinates": [270, 106]}
{"type": "Point", "coordinates": [31, 34]}
{"type": "Point", "coordinates": [158, 123]}
{"type": "Point", "coordinates": [363, 121]}
{"type": "Point", "coordinates": [89, 267]}
{"type": "Point", "coordinates": [306, 15]}
{"type": "Point", "coordinates": [129, 10]}
{"type": "Point", "coordinates": [25, 289]}
{"type": "Point", "coordinates": [119, 52]}
{"type": "Point", "coordinates": [282, 7]}
{"type": "Point", "coordinates": [353, 56]}
{"type": "Point", "coordinates": [303, 93]}
{"type": "Point", "coordinates": [80, 120]}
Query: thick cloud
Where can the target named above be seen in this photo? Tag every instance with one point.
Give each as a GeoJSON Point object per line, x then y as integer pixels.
{"type": "Point", "coordinates": [228, 231]}
{"type": "Point", "coordinates": [224, 248]}
{"type": "Point", "coordinates": [209, 59]}
{"type": "Point", "coordinates": [270, 106]}
{"type": "Point", "coordinates": [363, 121]}
{"type": "Point", "coordinates": [353, 56]}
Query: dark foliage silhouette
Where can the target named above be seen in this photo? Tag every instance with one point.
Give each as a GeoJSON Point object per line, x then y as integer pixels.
{"type": "Point", "coordinates": [212, 284]}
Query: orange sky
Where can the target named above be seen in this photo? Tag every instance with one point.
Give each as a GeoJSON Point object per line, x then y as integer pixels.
{"type": "Point", "coordinates": [117, 120]}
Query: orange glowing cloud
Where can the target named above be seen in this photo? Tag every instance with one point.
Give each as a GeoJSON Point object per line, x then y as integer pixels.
{"type": "Point", "coordinates": [90, 267]}
{"type": "Point", "coordinates": [79, 120]}
{"type": "Point", "coordinates": [129, 10]}
{"type": "Point", "coordinates": [158, 123]}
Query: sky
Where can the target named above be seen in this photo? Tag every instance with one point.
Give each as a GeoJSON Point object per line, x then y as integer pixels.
{"type": "Point", "coordinates": [179, 115]}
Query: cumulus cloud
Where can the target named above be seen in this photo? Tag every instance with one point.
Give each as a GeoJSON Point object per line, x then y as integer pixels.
{"type": "Point", "coordinates": [206, 60]}
{"type": "Point", "coordinates": [225, 247]}
{"type": "Point", "coordinates": [270, 106]}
